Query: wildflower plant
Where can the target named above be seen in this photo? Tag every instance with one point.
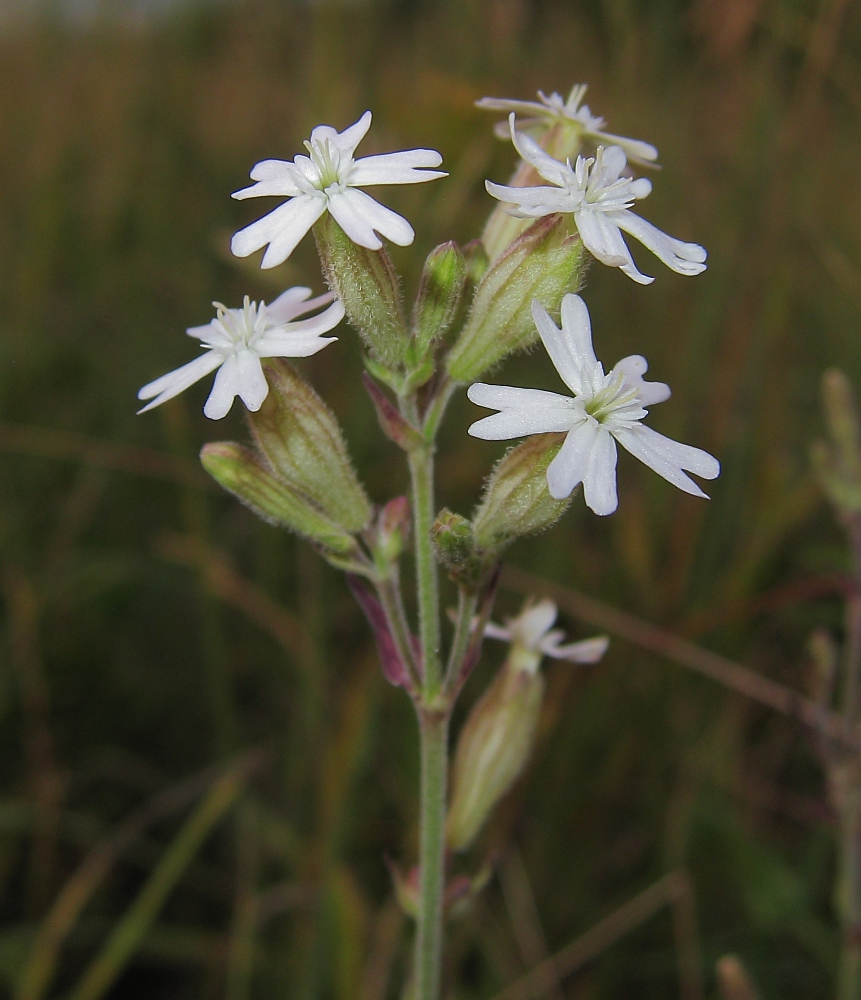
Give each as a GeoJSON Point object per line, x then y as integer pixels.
{"type": "Point", "coordinates": [519, 284]}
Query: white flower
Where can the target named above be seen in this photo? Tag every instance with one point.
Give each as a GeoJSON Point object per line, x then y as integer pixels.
{"type": "Point", "coordinates": [548, 111]}
{"type": "Point", "coordinates": [532, 636]}
{"type": "Point", "coordinates": [600, 198]}
{"type": "Point", "coordinates": [238, 338]}
{"type": "Point", "coordinates": [603, 410]}
{"type": "Point", "coordinates": [329, 178]}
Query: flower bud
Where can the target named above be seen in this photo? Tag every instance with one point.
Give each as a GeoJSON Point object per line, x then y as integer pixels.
{"type": "Point", "coordinates": [516, 499]}
{"type": "Point", "coordinates": [544, 263]}
{"type": "Point", "coordinates": [438, 297]}
{"type": "Point", "coordinates": [393, 530]}
{"type": "Point", "coordinates": [455, 547]}
{"type": "Point", "coordinates": [243, 473]}
{"type": "Point", "coordinates": [494, 745]}
{"type": "Point", "coordinates": [300, 438]}
{"type": "Point", "coordinates": [366, 282]}
{"type": "Point", "coordinates": [838, 464]}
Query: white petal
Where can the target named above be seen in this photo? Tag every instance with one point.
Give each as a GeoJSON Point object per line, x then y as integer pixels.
{"type": "Point", "coordinates": [587, 651]}
{"type": "Point", "coordinates": [347, 140]}
{"type": "Point", "coordinates": [270, 170]}
{"type": "Point", "coordinates": [635, 149]}
{"type": "Point", "coordinates": [640, 188]}
{"type": "Point", "coordinates": [282, 229]}
{"type": "Point", "coordinates": [253, 387]}
{"type": "Point", "coordinates": [315, 325]}
{"type": "Point", "coordinates": [359, 215]}
{"type": "Point", "coordinates": [649, 393]}
{"type": "Point", "coordinates": [570, 348]}
{"type": "Point", "coordinates": [202, 332]}
{"type": "Point", "coordinates": [551, 170]}
{"type": "Point", "coordinates": [599, 483]}
{"type": "Point", "coordinates": [601, 239]}
{"type": "Point", "coordinates": [279, 183]}
{"type": "Point", "coordinates": [177, 381]}
{"type": "Point", "coordinates": [494, 631]}
{"type": "Point", "coordinates": [684, 258]}
{"type": "Point", "coordinates": [504, 104]}
{"type": "Point", "coordinates": [571, 464]}
{"type": "Point", "coordinates": [289, 304]}
{"type": "Point", "coordinates": [613, 161]}
{"type": "Point", "coordinates": [532, 202]}
{"type": "Point", "coordinates": [668, 458]}
{"type": "Point", "coordinates": [290, 345]}
{"type": "Point", "coordinates": [396, 168]}
{"type": "Point", "coordinates": [531, 625]}
{"type": "Point", "coordinates": [524, 411]}
{"type": "Point", "coordinates": [224, 390]}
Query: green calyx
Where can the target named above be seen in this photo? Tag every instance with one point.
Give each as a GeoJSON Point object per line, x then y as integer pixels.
{"type": "Point", "coordinates": [516, 499]}
{"type": "Point", "coordinates": [492, 750]}
{"type": "Point", "coordinates": [367, 283]}
{"type": "Point", "coordinates": [303, 444]}
{"type": "Point", "coordinates": [544, 263]}
{"type": "Point", "coordinates": [244, 474]}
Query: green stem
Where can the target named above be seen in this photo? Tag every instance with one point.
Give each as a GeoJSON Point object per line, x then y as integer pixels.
{"type": "Point", "coordinates": [436, 409]}
{"type": "Point", "coordinates": [421, 474]}
{"type": "Point", "coordinates": [433, 730]}
{"type": "Point", "coordinates": [466, 605]}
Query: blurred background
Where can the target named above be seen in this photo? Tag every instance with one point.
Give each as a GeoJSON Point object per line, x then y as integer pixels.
{"type": "Point", "coordinates": [202, 768]}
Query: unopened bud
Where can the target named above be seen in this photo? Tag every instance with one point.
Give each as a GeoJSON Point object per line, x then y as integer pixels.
{"type": "Point", "coordinates": [366, 282]}
{"type": "Point", "coordinates": [544, 263]}
{"type": "Point", "coordinates": [456, 549]}
{"type": "Point", "coordinates": [438, 297]}
{"type": "Point", "coordinates": [300, 438]}
{"type": "Point", "coordinates": [243, 473]}
{"type": "Point", "coordinates": [516, 499]}
{"type": "Point", "coordinates": [393, 530]}
{"type": "Point", "coordinates": [494, 745]}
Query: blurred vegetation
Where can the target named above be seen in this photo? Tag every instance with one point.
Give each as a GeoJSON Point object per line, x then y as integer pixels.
{"type": "Point", "coordinates": [202, 767]}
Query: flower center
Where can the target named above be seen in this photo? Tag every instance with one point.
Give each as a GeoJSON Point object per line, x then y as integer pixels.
{"type": "Point", "coordinates": [609, 400]}
{"type": "Point", "coordinates": [241, 327]}
{"type": "Point", "coordinates": [327, 161]}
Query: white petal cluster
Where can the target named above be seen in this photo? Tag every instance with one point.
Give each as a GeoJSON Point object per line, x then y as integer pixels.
{"type": "Point", "coordinates": [238, 338]}
{"type": "Point", "coordinates": [532, 635]}
{"type": "Point", "coordinates": [600, 197]}
{"type": "Point", "coordinates": [603, 410]}
{"type": "Point", "coordinates": [328, 179]}
{"type": "Point", "coordinates": [548, 111]}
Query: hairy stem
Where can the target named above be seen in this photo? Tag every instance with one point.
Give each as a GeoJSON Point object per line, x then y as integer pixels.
{"type": "Point", "coordinates": [433, 729]}
{"type": "Point", "coordinates": [427, 582]}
